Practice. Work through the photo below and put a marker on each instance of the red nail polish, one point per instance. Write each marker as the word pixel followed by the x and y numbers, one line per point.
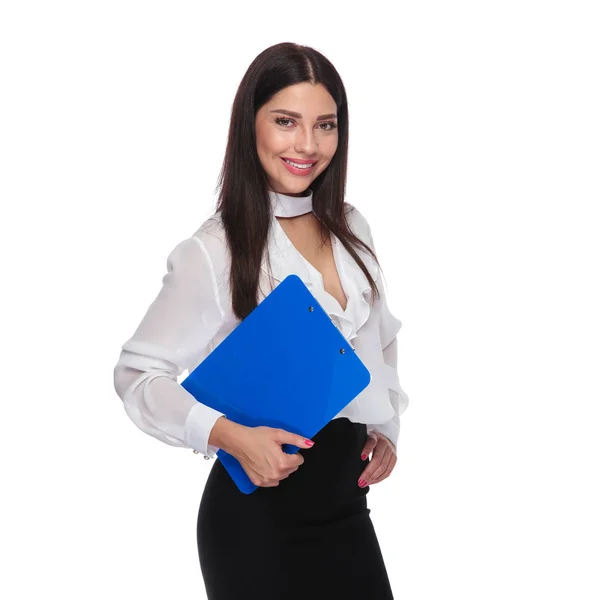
pixel 364 456
pixel 309 442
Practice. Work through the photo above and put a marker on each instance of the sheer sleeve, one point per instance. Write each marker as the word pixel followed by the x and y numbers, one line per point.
pixel 389 326
pixel 177 327
pixel 398 397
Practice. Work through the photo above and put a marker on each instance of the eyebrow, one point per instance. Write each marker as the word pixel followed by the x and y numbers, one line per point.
pixel 299 116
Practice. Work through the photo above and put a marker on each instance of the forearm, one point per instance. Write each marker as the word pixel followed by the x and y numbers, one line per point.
pixel 162 408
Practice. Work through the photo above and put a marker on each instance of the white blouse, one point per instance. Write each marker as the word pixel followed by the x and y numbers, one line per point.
pixel 192 314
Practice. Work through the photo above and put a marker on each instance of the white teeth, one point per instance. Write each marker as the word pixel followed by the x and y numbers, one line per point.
pixel 289 162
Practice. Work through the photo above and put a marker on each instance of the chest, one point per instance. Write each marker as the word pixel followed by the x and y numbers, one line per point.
pixel 315 245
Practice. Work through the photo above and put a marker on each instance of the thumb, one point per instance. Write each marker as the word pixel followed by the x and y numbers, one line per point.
pixel 287 437
pixel 369 445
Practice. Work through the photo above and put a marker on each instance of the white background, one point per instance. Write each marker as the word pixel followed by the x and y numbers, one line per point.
pixel 474 154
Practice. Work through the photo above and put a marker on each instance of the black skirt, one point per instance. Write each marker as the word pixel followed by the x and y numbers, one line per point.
pixel 310 537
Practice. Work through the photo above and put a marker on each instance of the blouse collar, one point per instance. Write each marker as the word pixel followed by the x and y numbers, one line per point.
pixel 290 206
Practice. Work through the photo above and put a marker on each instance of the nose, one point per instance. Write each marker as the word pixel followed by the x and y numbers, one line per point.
pixel 305 141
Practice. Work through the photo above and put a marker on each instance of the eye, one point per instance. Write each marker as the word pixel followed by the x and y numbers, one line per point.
pixel 329 125
pixel 279 120
pixel 333 125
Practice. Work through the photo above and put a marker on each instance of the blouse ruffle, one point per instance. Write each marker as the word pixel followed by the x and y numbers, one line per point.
pixel 286 259
pixel 379 398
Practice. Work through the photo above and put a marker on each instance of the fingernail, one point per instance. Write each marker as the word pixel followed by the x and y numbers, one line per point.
pixel 362 483
pixel 364 456
pixel 309 442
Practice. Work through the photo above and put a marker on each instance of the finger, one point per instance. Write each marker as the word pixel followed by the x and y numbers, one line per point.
pixel 291 461
pixel 386 453
pixel 388 472
pixel 388 442
pixel 287 465
pixel 296 459
pixel 270 484
pixel 369 445
pixel 367 474
pixel 289 472
pixel 386 467
pixel 290 467
pixel 259 481
pixel 286 437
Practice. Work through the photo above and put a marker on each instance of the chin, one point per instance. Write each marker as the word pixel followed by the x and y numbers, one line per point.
pixel 292 187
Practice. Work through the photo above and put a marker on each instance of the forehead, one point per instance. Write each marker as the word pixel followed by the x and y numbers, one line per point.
pixel 304 98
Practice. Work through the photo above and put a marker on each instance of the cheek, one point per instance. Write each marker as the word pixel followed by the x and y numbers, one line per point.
pixel 328 149
pixel 331 146
pixel 279 142
pixel 272 142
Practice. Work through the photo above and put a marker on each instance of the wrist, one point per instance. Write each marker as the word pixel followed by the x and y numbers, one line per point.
pixel 225 434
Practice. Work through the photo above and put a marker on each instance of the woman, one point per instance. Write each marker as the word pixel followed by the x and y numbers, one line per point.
pixel 306 530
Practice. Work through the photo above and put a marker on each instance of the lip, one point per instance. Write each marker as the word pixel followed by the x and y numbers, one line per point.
pixel 301 172
pixel 300 161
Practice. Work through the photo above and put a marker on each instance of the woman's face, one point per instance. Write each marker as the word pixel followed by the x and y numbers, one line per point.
pixel 299 123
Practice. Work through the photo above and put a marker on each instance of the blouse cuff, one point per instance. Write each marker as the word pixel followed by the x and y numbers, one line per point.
pixel 198 426
pixel 391 430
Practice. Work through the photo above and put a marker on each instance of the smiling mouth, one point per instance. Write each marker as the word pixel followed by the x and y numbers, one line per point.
pixel 300 164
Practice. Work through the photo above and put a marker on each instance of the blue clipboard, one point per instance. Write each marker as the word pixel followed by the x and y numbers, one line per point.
pixel 285 365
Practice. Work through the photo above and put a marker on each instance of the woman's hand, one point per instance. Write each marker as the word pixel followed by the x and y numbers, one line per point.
pixel 382 462
pixel 259 451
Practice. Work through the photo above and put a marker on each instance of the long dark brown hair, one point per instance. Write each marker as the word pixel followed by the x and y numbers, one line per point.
pixel 243 198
